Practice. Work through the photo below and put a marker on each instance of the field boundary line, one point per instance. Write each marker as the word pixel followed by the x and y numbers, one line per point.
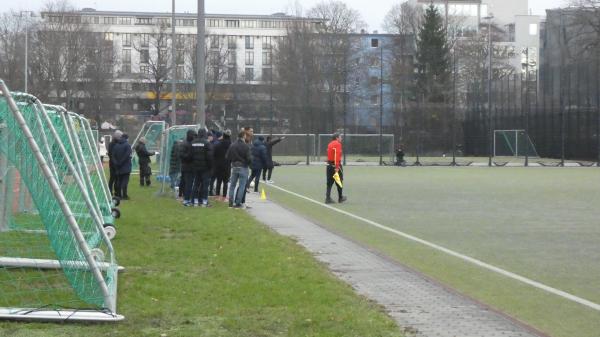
pixel 463 257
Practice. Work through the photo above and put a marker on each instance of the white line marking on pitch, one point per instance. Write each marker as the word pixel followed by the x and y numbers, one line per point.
pixel 476 262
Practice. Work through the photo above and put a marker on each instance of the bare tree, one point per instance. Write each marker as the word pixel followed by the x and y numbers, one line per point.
pixel 99 74
pixel 404 18
pixel 298 76
pixel 12 45
pixel 58 60
pixel 333 44
pixel 155 60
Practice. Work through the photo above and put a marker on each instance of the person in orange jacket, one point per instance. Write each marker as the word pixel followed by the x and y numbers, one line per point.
pixel 334 165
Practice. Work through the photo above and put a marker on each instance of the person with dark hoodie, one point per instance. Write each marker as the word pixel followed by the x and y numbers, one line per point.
pixel 144 161
pixel 213 139
pixel 222 170
pixel 239 157
pixel 202 163
pixel 121 154
pixel 113 183
pixel 187 168
pixel 268 170
pixel 175 168
pixel 259 161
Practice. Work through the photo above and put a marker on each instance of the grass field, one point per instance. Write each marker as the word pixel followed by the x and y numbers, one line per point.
pixel 217 272
pixel 541 223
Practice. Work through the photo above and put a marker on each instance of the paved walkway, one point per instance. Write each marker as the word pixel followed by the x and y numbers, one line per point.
pixel 421 307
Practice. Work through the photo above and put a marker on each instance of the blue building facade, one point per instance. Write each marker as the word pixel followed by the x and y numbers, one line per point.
pixel 381 70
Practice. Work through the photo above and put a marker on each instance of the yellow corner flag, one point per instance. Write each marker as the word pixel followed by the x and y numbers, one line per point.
pixel 338 181
pixel 263 195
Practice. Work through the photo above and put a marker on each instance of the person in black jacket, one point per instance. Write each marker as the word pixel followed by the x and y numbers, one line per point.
pixel 222 169
pixel 202 163
pixel 187 168
pixel 268 170
pixel 175 168
pixel 239 157
pixel 121 154
pixel 259 161
pixel 144 161
pixel 113 183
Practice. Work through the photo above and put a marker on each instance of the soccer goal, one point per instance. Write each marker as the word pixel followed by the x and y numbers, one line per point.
pixel 513 143
pixel 169 137
pixel 57 262
pixel 361 147
pixel 152 131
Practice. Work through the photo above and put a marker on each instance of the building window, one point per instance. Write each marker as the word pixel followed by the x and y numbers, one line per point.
pixel 144 69
pixel 249 58
pixel 124 21
pixel 143 21
pixel 248 24
pixel 214 41
pixel 533 29
pixel 180 56
pixel 232 42
pixel 180 71
pixel 110 20
pixel 374 43
pixel 144 56
pixel 249 74
pixel 126 39
pixel 179 40
pixel 267 42
pixel 375 99
pixel 267 58
pixel 214 58
pixel 109 36
pixel 231 73
pixel 126 68
pixel 267 74
pixel 232 58
pixel 144 40
pixel 232 23
pixel 249 42
pixel 213 23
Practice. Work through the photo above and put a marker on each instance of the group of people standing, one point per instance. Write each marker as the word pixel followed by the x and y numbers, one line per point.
pixel 209 163
pixel 119 154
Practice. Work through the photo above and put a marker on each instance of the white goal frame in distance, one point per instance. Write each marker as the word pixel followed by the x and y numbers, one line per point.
pixel 516 132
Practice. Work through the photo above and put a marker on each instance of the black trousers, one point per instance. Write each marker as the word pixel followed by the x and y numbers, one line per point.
pixel 113 181
pixel 266 173
pixel 222 175
pixel 122 184
pixel 256 177
pixel 331 182
pixel 188 180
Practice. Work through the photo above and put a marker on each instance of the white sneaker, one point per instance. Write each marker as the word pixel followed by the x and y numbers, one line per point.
pixel 270 182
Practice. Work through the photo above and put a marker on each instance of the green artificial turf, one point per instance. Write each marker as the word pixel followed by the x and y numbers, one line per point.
pixel 217 272
pixel 541 223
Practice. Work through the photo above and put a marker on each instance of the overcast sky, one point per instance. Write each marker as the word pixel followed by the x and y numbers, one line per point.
pixel 372 11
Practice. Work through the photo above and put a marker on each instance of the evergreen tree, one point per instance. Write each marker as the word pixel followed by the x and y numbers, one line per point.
pixel 433 56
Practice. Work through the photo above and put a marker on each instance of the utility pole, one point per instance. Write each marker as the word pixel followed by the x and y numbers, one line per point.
pixel 490 53
pixel 200 64
pixel 26 73
pixel 527 111
pixel 381 103
pixel 454 109
pixel 173 71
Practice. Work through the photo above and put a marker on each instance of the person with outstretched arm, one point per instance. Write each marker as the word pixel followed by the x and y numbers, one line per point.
pixel 268 170
pixel 335 172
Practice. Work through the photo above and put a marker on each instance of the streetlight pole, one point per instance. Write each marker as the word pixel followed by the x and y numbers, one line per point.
pixel 26 50
pixel 200 63
pixel 381 104
pixel 490 129
pixel 173 71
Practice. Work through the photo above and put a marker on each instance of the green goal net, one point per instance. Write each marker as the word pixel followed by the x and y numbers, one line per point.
pixel 56 262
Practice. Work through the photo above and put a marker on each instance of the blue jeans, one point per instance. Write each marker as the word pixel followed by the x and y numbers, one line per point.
pixel 239 178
